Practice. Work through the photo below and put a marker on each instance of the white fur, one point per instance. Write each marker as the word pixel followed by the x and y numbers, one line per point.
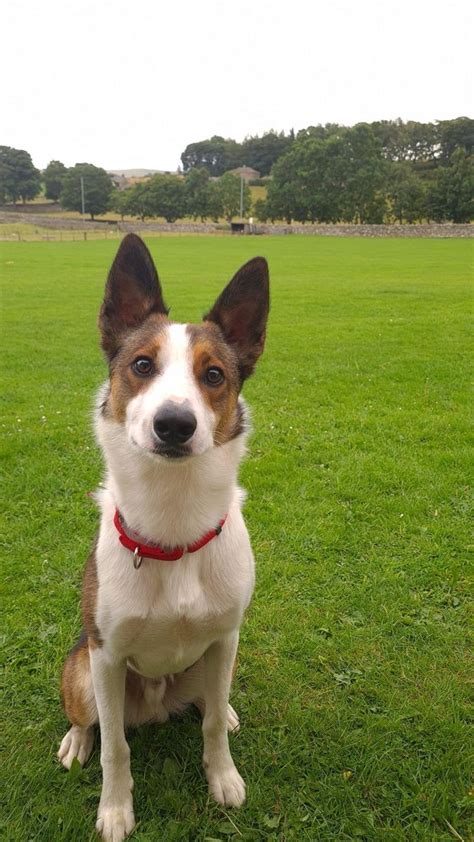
pixel 166 616
pixel 77 743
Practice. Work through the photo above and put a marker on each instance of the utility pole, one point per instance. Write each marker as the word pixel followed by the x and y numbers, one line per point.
pixel 83 203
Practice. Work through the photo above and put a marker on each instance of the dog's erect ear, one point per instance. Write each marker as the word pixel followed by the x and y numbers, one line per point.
pixel 132 293
pixel 241 312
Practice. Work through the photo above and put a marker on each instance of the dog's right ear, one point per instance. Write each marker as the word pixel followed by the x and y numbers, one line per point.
pixel 132 293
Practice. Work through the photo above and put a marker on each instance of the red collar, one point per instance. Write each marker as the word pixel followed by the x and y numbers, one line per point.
pixel 141 551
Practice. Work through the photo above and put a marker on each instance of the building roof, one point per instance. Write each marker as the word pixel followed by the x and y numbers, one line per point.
pixel 246 172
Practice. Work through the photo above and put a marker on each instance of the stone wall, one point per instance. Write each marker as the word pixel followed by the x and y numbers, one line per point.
pixel 66 223
pixel 436 230
pixel 174 227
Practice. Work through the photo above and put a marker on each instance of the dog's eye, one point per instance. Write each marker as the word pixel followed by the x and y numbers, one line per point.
pixel 143 366
pixel 214 376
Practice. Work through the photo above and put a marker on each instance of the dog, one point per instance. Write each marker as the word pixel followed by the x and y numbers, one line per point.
pixel 171 571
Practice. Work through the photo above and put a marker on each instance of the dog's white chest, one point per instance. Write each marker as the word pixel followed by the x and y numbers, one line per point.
pixel 178 628
pixel 163 618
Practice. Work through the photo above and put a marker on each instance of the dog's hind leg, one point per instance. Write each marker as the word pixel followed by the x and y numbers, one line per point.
pixel 79 704
pixel 144 699
pixel 187 688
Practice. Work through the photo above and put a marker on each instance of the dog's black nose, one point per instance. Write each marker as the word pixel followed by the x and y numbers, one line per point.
pixel 174 423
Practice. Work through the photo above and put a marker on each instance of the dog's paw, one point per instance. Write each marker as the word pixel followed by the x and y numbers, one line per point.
pixel 78 743
pixel 115 822
pixel 233 723
pixel 228 788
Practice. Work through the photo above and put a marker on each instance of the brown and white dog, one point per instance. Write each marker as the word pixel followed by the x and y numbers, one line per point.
pixel 172 570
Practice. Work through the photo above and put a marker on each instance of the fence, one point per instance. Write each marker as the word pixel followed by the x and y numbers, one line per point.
pixel 56 236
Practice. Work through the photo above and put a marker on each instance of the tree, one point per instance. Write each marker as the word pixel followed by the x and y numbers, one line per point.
pixel 162 195
pixel 407 193
pixel 297 189
pixel 215 206
pixel 456 134
pixel 19 178
pixel 120 201
pixel 198 193
pixel 261 210
pixel 229 188
pixel 216 155
pixel 451 196
pixel 364 173
pixel 320 132
pixel 262 152
pixel 136 201
pixel 339 177
pixel 392 135
pixel 165 196
pixel 97 189
pixel 411 141
pixel 284 197
pixel 53 177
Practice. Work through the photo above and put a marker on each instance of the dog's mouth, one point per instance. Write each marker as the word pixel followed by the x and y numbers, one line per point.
pixel 171 452
pixel 164 450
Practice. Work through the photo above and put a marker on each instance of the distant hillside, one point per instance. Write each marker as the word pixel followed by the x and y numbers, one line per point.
pixel 138 173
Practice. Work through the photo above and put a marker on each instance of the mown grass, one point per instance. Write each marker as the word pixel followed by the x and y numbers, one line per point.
pixel 353 678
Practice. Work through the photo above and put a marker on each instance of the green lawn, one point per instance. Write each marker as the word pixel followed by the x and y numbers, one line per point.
pixel 353 677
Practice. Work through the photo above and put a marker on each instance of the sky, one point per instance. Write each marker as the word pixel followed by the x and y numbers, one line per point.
pixel 130 84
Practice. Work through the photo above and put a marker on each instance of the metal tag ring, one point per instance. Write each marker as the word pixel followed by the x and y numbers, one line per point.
pixel 137 558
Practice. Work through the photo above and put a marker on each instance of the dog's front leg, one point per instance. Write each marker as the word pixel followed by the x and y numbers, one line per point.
pixel 225 783
pixel 115 817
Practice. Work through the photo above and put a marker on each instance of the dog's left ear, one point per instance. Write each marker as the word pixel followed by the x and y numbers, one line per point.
pixel 241 312
pixel 132 293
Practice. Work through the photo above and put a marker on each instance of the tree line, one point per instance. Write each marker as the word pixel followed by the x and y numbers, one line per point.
pixel 21 180
pixel 218 155
pixel 368 173
pixel 195 195
pixel 170 196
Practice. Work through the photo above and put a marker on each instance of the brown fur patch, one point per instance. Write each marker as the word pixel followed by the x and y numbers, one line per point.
pixel 89 599
pixel 77 693
pixel 145 341
pixel 210 349
pixel 142 695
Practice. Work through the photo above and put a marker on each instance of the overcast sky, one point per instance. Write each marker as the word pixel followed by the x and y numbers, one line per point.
pixel 130 84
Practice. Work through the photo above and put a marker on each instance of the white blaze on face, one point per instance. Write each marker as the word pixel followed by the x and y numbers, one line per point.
pixel 174 382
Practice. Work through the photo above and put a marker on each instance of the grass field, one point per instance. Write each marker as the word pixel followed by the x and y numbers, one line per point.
pixel 353 679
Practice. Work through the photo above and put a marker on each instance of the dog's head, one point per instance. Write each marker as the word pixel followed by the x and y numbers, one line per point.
pixel 175 387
